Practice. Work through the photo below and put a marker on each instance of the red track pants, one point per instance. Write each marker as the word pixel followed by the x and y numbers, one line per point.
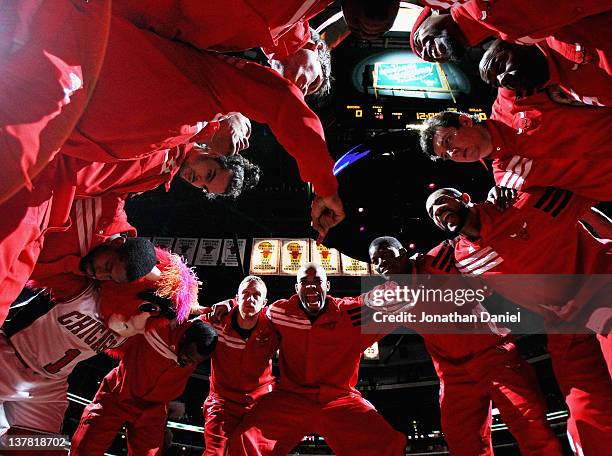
pixel 501 375
pixel 104 417
pixel 350 425
pixel 584 379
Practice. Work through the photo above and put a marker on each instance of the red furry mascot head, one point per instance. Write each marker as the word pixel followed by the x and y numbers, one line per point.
pixel 128 307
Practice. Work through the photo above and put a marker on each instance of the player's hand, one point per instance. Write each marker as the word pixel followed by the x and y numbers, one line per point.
pixel 326 212
pixel 502 197
pixel 219 310
pixel 232 137
pixel 127 327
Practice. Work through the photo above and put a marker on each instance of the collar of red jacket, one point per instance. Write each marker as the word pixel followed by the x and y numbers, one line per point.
pixel 500 132
pixel 227 319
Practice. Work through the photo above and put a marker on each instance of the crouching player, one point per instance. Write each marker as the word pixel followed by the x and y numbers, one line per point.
pixel 241 365
pixel 474 369
pixel 153 370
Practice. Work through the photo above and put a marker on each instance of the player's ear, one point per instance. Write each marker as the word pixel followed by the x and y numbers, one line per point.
pixel 466 198
pixel 311 45
pixel 117 241
pixel 465 120
pixel 327 286
pixel 403 251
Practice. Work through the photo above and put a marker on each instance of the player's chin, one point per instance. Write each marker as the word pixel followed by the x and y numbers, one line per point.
pixel 449 227
pixel 314 307
pixel 440 224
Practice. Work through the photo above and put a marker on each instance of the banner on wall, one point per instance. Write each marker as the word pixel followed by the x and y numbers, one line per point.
pixel 208 253
pixel 268 256
pixel 186 247
pixel 294 254
pixel 328 258
pixel 229 257
pixel 265 256
pixel 163 242
pixel 372 352
pixel 351 266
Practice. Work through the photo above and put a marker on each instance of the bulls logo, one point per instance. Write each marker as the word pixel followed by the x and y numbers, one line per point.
pixel 265 248
pixel 295 249
pixel 324 252
pixel 525 121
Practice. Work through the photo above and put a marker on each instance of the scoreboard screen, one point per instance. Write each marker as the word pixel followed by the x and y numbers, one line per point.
pixel 425 76
pixel 386 116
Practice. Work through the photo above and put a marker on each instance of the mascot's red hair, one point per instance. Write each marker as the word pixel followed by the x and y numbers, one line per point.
pixel 128 307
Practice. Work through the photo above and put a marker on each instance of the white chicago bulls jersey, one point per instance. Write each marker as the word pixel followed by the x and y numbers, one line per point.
pixel 69 332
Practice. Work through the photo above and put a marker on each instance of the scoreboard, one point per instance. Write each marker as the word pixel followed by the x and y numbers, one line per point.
pixel 394 115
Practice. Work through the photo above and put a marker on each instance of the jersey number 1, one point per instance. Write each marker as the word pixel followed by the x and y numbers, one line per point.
pixel 54 368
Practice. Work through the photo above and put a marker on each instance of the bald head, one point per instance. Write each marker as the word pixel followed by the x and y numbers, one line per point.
pixel 389 241
pixel 437 38
pixel 320 271
pixel 388 256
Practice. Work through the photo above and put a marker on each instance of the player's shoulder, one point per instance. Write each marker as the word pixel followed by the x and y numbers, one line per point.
pixel 264 316
pixel 84 299
pixel 540 197
pixel 345 304
pixel 553 204
pixel 353 312
pixel 440 259
pixel 350 307
pixel 265 319
pixel 442 247
pixel 283 305
pixel 287 313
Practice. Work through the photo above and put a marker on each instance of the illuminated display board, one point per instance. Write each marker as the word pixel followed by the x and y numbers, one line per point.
pixel 398 116
pixel 424 76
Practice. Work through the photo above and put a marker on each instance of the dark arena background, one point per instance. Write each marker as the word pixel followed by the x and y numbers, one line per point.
pixel 371 128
